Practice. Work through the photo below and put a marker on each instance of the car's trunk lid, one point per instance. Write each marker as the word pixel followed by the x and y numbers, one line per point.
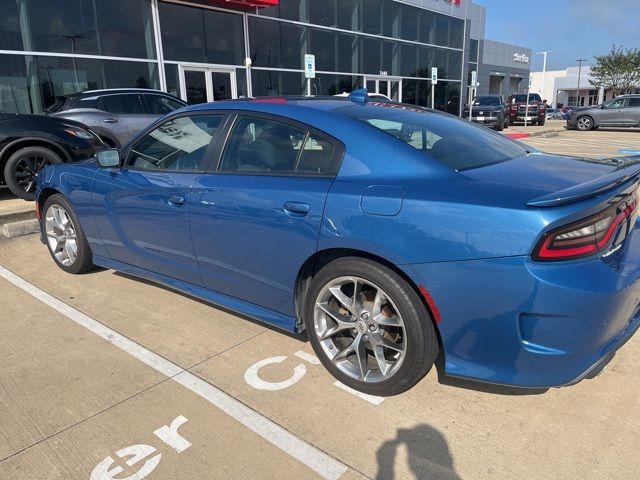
pixel 552 180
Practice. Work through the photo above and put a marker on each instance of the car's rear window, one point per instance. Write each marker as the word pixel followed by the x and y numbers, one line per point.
pixel 457 143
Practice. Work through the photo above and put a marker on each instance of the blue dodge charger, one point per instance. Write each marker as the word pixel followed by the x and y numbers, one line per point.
pixel 389 233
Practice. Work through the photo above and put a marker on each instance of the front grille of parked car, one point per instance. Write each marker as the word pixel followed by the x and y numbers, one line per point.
pixel 532 109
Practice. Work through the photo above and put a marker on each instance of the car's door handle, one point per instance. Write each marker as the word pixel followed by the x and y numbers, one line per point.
pixel 296 208
pixel 175 200
pixel 110 120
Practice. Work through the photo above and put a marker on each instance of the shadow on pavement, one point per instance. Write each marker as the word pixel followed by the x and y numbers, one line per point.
pixel 298 336
pixel 427 454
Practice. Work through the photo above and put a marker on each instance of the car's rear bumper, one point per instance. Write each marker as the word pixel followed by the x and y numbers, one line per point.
pixel 513 321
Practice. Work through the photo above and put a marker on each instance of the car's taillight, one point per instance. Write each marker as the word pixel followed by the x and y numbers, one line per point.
pixel 583 238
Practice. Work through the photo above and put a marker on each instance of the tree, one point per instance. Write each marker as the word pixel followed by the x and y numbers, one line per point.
pixel 619 70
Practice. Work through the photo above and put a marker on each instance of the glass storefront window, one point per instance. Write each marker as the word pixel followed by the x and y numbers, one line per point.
pixel 10 36
pixel 323 45
pixel 417 92
pixel 322 13
pixel 171 75
pixel 348 12
pixel 270 83
pixel 473 50
pixel 29 84
pixel 65 26
pixel 125 28
pixel 348 53
pixel 201 36
pixel 408 23
pixel 377 17
pixel 325 84
pixel 14 85
pixel 264 39
pixel 122 28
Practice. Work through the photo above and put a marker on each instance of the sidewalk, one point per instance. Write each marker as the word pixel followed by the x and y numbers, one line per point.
pixel 550 127
pixel 13 208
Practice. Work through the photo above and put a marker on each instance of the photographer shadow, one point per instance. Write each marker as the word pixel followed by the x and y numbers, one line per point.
pixel 427 451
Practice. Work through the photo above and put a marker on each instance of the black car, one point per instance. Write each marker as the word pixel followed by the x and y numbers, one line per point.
pixel 30 142
pixel 489 110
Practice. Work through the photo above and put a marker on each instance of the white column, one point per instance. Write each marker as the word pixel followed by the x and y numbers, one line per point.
pixel 601 95
pixel 155 14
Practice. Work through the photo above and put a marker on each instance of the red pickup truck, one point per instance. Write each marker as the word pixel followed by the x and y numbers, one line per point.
pixel 535 114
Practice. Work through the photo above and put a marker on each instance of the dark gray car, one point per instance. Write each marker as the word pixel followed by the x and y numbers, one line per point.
pixel 116 115
pixel 623 111
pixel 489 110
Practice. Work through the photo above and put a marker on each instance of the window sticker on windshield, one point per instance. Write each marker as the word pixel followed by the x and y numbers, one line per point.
pixel 182 134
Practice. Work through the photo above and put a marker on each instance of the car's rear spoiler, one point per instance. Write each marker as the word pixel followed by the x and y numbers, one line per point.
pixel 628 171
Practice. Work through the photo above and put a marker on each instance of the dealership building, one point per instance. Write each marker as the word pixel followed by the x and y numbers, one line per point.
pixel 208 50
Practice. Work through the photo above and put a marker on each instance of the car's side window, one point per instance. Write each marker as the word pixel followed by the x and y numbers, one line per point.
pixel 176 145
pixel 617 103
pixel 128 103
pixel 316 155
pixel 161 105
pixel 634 102
pixel 257 145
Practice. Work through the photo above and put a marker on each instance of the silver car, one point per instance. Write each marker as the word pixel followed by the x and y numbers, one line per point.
pixel 623 111
pixel 116 115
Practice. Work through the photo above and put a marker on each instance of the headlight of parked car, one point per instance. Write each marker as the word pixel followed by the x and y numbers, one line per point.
pixel 80 133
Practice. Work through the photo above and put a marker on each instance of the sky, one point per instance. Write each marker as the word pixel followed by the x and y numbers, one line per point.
pixel 573 28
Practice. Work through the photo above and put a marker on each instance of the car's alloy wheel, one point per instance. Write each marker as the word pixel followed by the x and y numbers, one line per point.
pixel 369 326
pixel 584 123
pixel 360 329
pixel 64 235
pixel 61 235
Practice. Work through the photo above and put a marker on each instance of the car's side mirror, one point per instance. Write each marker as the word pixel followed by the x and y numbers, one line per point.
pixel 108 158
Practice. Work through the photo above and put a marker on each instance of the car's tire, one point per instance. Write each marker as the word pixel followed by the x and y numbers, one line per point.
pixel 23 167
pixel 64 236
pixel 542 121
pixel 584 123
pixel 396 354
pixel 500 127
pixel 506 123
pixel 511 122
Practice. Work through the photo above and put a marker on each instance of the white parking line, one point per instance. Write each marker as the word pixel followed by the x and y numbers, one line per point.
pixel 307 357
pixel 320 462
pixel 365 396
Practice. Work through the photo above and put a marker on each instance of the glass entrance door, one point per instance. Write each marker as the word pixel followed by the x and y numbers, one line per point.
pixel 389 87
pixel 205 84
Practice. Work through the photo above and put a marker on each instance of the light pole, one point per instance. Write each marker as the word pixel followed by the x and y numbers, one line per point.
pixel 544 67
pixel 580 60
pixel 73 39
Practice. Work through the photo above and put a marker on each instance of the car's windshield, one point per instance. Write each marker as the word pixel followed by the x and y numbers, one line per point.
pixel 521 98
pixel 479 101
pixel 460 145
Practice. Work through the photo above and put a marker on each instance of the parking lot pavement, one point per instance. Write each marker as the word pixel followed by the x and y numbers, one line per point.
pixel 13 208
pixel 601 143
pixel 71 399
pixel 550 125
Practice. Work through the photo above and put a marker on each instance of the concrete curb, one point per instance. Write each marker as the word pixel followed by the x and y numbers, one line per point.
pixel 18 229
pixel 540 133
pixel 16 216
